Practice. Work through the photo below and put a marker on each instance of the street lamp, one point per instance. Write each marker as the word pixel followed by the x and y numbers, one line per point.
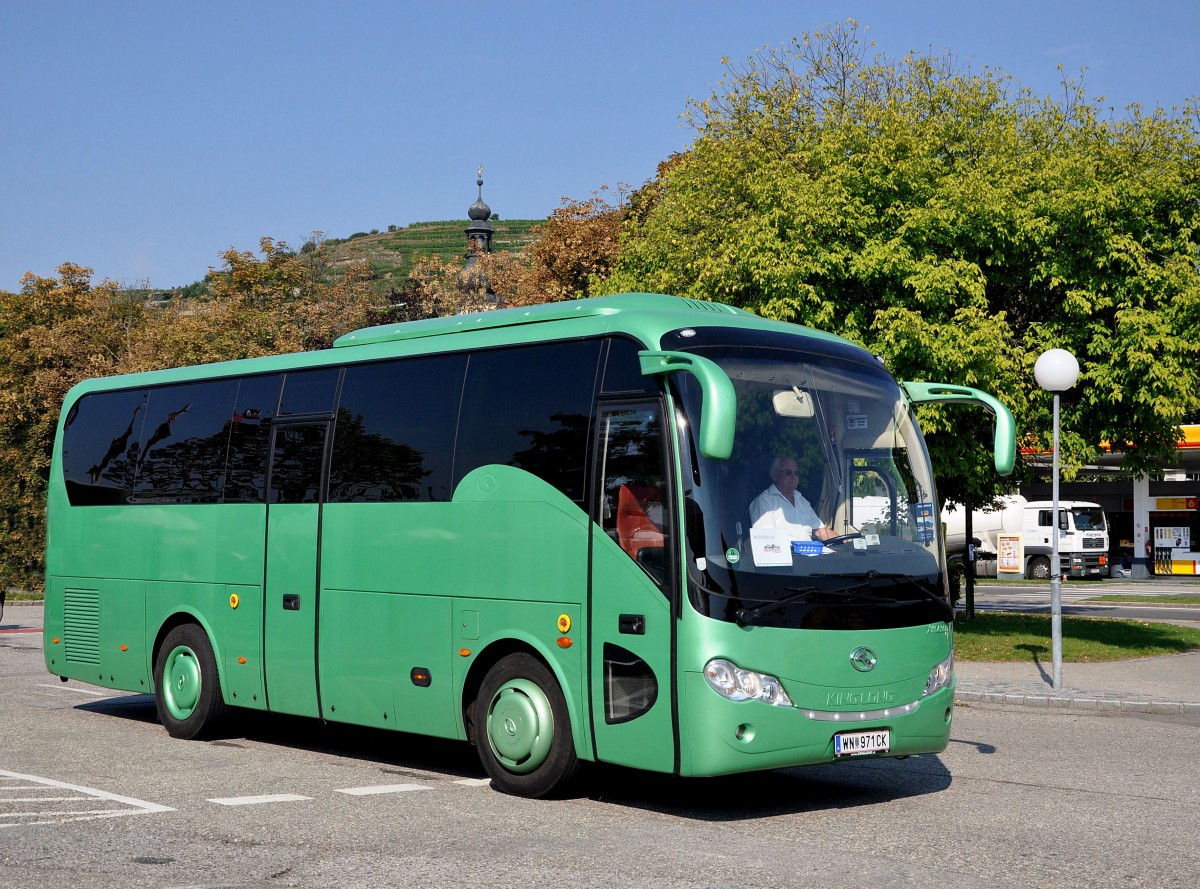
pixel 1056 371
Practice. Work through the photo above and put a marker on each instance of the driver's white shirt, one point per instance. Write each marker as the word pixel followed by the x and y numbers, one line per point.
pixel 771 509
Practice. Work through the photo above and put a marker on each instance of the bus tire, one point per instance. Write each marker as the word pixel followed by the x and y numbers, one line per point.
pixel 1039 568
pixel 187 689
pixel 523 730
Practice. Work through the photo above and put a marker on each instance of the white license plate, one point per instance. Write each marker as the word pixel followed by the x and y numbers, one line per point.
pixel 861 743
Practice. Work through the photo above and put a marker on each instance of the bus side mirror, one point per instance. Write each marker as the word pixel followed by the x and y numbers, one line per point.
pixel 1005 444
pixel 718 400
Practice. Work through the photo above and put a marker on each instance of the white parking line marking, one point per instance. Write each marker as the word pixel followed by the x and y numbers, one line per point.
pixel 259 800
pixel 474 782
pixel 34 783
pixel 35 799
pixel 382 788
pixel 80 691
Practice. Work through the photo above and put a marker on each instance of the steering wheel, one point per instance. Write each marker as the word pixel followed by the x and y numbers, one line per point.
pixel 834 541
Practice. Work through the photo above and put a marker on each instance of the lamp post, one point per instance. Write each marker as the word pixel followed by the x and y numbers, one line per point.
pixel 1056 371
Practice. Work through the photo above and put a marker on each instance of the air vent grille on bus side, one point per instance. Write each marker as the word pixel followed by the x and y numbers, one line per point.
pixel 81 626
pixel 707 306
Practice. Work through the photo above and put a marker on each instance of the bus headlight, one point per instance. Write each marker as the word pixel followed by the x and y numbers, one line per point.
pixel 940 676
pixel 731 681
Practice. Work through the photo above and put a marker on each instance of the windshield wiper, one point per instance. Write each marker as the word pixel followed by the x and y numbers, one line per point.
pixel 747 616
pixel 852 593
pixel 900 578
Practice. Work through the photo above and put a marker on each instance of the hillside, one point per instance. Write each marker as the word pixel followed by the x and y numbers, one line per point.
pixel 392 253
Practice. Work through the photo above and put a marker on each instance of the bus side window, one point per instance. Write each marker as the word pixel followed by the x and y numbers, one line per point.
pixel 394 439
pixel 184 442
pixel 633 508
pixel 530 407
pixel 296 463
pixel 249 437
pixel 100 446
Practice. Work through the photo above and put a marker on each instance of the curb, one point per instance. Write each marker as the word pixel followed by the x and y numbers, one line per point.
pixel 1083 701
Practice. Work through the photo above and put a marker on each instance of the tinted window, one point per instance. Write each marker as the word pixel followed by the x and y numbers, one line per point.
pixel 310 391
pixel 530 408
pixel 296 463
pixel 249 438
pixel 100 446
pixel 623 370
pixel 633 506
pixel 395 430
pixel 184 440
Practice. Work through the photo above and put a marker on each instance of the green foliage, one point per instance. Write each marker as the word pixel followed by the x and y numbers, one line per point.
pixel 996 636
pixel 953 223
pixel 58 331
pixel 52 333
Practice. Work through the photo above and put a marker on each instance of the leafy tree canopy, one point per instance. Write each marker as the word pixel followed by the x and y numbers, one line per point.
pixel 954 223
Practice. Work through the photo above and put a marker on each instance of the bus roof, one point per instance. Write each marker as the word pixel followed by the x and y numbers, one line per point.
pixel 643 315
pixel 558 311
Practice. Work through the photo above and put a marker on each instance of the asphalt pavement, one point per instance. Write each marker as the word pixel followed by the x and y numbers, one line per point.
pixel 1168 684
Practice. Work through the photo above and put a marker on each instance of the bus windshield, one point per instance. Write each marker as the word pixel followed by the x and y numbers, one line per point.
pixel 823 517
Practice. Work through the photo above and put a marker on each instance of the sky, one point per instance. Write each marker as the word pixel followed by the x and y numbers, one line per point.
pixel 142 139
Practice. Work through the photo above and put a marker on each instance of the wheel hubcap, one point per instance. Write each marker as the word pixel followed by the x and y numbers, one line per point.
pixel 520 726
pixel 181 682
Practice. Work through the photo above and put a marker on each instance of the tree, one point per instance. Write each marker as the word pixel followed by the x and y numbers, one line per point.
pixel 258 306
pixel 53 333
pixel 952 222
pixel 58 331
pixel 577 245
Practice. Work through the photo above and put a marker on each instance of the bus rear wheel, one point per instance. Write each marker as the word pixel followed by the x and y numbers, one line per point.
pixel 523 729
pixel 187 689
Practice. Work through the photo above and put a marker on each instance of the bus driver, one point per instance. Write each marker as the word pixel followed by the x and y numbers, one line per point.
pixel 782 506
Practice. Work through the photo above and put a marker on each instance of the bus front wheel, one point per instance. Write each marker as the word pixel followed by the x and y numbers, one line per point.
pixel 187 690
pixel 523 729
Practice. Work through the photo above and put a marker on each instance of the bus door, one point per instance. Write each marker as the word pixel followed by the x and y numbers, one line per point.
pixel 290 599
pixel 632 576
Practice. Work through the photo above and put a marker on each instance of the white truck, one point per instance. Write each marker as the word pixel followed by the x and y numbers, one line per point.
pixel 1082 537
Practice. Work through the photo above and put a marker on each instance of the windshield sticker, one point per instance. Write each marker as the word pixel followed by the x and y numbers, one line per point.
pixel 771 547
pixel 856 421
pixel 924 516
pixel 732 556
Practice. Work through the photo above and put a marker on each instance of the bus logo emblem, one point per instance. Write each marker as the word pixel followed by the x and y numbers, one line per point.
pixel 863 659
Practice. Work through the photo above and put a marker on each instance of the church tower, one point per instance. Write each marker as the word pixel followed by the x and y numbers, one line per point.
pixel 479 232
pixel 473 279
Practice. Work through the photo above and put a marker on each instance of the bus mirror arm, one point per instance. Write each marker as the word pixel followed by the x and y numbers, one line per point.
pixel 718 400
pixel 1005 445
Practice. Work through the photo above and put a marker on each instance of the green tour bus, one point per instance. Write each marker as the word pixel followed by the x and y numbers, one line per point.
pixel 528 528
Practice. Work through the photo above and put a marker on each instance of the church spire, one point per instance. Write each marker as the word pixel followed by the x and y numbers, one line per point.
pixel 479 232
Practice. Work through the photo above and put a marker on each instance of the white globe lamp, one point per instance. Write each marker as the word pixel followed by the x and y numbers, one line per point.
pixel 1056 370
